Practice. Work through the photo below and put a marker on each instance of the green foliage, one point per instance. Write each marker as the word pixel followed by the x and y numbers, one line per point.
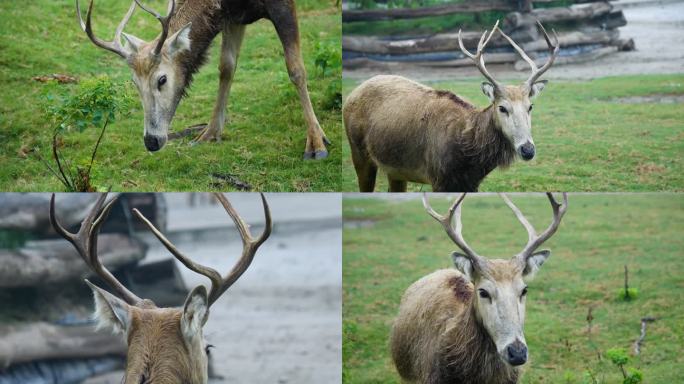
pixel 634 376
pixel 328 58
pixel 586 139
pixel 599 234
pixel 94 101
pixel 618 356
pixel 631 294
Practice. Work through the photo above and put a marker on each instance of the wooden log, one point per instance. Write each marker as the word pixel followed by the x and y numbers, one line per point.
pixel 29 211
pixel 492 58
pixel 574 38
pixel 553 15
pixel 442 42
pixel 522 65
pixel 53 261
pixel 411 13
pixel 612 20
pixel 42 341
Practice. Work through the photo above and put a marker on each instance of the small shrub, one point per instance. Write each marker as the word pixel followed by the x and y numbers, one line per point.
pixel 96 103
pixel 328 59
pixel 619 357
pixel 628 295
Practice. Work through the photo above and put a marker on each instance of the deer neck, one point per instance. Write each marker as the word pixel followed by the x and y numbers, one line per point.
pixel 489 148
pixel 471 356
pixel 206 19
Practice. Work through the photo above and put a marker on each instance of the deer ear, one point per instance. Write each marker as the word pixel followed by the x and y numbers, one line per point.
pixel 180 41
pixel 488 89
pixel 110 311
pixel 195 312
pixel 463 265
pixel 535 262
pixel 133 44
pixel 537 87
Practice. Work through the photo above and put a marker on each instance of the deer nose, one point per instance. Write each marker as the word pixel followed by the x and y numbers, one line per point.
pixel 154 143
pixel 516 353
pixel 527 151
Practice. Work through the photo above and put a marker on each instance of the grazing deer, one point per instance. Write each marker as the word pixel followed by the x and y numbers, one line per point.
pixel 163 68
pixel 165 345
pixel 415 133
pixel 465 325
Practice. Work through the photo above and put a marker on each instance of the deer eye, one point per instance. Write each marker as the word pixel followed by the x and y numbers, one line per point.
pixel 161 81
pixel 502 109
pixel 530 109
pixel 483 294
pixel 524 292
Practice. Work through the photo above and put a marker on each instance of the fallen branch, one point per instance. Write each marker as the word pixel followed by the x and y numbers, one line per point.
pixel 642 336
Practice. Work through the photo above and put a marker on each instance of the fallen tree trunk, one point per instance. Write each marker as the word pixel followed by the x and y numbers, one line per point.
pixel 412 13
pixel 29 211
pixel 521 65
pixel 53 261
pixel 574 38
pixel 554 15
pixel 43 341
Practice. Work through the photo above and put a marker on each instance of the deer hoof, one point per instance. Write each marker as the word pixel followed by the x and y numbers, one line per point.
pixel 321 155
pixel 309 155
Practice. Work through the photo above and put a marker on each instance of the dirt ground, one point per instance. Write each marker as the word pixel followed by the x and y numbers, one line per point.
pixel 657 28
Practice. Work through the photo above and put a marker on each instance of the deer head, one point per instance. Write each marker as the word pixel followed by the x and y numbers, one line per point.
pixel 512 104
pixel 165 345
pixel 500 284
pixel 156 67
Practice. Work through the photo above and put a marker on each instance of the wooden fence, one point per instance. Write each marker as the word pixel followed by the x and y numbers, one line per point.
pixel 587 31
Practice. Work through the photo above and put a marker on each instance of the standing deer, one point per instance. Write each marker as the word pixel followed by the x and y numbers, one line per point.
pixel 165 345
pixel 416 133
pixel 163 68
pixel 446 334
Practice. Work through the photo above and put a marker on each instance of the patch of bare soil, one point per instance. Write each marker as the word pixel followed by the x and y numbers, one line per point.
pixel 650 99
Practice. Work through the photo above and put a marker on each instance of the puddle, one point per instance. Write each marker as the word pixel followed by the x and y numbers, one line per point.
pixel 651 99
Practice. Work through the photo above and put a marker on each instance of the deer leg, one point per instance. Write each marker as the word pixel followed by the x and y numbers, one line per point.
pixel 230 49
pixel 366 170
pixel 284 19
pixel 397 185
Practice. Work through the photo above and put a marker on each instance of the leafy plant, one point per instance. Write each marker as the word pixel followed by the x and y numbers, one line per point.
pixel 96 103
pixel 619 357
pixel 328 58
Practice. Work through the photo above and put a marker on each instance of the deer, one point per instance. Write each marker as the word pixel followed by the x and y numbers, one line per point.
pixel 466 324
pixel 165 345
pixel 414 133
pixel 163 69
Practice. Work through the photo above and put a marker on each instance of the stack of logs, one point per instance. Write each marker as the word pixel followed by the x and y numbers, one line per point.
pixel 587 31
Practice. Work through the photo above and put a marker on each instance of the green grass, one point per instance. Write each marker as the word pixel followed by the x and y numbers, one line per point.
pixel 586 140
pixel 598 236
pixel 263 141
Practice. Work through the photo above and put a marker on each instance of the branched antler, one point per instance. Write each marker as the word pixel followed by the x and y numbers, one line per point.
pixel 250 244
pixel 454 233
pixel 163 20
pixel 477 57
pixel 533 239
pixel 553 51
pixel 113 45
pixel 85 242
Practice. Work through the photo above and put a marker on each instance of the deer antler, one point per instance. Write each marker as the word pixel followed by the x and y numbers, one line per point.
pixel 114 45
pixel 85 242
pixel 553 50
pixel 163 20
pixel 477 57
pixel 455 233
pixel 250 245
pixel 534 240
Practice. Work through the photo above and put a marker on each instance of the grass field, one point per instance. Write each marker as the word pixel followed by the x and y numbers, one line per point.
pixel 263 141
pixel 389 244
pixel 587 138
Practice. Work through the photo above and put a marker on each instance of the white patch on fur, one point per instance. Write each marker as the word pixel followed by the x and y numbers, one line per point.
pixel 195 313
pixel 463 265
pixel 537 88
pixel 110 311
pixel 535 262
pixel 179 41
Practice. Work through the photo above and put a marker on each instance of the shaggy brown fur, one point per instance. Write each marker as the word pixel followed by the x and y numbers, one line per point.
pixel 415 133
pixel 158 352
pixel 438 339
